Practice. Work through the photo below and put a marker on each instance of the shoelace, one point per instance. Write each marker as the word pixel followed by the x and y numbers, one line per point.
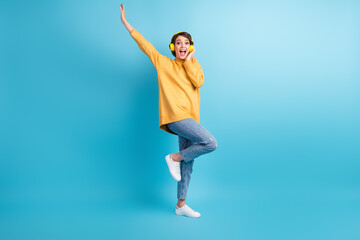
pixel 188 209
pixel 191 210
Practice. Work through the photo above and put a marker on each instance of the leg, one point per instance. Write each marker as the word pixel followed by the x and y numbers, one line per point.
pixel 186 170
pixel 204 141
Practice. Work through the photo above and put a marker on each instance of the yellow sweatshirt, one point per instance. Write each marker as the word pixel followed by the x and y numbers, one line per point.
pixel 179 84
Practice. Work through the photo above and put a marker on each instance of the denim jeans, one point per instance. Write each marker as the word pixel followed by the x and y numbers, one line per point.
pixel 194 141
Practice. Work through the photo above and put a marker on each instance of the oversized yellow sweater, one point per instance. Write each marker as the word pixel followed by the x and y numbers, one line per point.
pixel 179 84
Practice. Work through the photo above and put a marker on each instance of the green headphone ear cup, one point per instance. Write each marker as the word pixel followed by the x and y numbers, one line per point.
pixel 172 47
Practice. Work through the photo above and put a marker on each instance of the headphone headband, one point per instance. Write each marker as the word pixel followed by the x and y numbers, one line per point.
pixel 180 32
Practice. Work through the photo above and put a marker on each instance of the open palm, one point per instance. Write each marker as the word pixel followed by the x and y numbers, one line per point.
pixel 122 10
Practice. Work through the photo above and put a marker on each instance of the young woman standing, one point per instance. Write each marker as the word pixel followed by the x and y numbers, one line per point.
pixel 179 82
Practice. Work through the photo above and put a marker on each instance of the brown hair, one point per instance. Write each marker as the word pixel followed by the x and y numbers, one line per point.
pixel 184 34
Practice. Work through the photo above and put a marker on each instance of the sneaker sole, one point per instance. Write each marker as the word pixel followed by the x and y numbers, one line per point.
pixel 180 214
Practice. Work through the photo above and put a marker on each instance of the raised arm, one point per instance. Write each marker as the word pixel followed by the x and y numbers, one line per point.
pixel 143 44
pixel 123 19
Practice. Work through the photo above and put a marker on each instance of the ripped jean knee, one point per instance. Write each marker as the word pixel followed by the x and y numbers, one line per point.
pixel 212 144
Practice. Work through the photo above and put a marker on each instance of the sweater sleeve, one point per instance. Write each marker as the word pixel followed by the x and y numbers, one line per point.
pixel 146 47
pixel 194 71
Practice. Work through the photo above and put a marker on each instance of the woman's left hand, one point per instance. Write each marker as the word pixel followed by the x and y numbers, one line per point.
pixel 190 55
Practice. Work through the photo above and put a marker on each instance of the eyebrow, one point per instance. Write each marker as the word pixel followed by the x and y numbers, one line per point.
pixel 185 40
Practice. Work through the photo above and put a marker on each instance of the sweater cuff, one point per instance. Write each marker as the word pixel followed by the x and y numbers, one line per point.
pixel 133 32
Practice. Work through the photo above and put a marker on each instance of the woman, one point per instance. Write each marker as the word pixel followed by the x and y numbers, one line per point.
pixel 179 107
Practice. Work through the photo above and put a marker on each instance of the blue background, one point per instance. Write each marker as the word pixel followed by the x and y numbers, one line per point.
pixel 82 156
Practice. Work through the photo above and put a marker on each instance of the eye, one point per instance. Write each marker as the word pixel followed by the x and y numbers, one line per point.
pixel 187 43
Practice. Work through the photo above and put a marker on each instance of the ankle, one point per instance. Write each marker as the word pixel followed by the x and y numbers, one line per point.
pixel 180 204
pixel 176 157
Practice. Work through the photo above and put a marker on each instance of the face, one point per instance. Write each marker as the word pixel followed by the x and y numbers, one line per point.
pixel 182 45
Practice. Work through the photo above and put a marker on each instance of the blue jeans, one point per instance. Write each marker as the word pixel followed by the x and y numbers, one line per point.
pixel 194 140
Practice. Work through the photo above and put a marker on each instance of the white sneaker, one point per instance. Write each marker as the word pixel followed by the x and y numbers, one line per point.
pixel 187 211
pixel 174 167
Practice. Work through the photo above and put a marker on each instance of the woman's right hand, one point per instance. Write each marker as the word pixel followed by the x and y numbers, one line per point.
pixel 123 19
pixel 122 10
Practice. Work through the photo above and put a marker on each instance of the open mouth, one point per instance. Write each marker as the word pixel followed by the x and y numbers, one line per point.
pixel 182 53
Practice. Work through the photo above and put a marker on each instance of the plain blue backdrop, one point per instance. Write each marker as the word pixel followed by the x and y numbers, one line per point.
pixel 81 152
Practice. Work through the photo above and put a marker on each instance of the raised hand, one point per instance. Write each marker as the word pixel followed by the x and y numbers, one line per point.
pixel 122 10
pixel 190 55
pixel 123 18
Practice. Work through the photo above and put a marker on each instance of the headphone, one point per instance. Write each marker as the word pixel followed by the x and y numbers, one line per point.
pixel 172 46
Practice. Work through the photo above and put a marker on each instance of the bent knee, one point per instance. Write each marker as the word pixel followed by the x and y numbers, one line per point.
pixel 212 145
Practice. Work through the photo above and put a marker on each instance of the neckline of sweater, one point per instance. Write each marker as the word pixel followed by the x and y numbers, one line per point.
pixel 179 60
